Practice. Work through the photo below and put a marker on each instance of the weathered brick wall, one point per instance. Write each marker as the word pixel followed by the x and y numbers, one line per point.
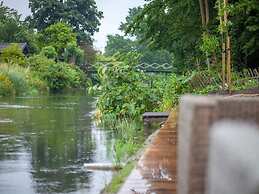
pixel 197 115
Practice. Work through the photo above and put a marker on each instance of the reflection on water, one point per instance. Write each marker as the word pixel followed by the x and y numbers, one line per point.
pixel 44 143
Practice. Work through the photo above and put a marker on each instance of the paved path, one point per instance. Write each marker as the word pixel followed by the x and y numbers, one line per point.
pixel 155 172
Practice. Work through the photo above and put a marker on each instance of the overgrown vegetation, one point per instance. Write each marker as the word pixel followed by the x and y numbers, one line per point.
pixel 125 93
pixel 193 40
pixel 17 80
pixel 185 34
pixel 57 50
pixel 13 55
pixel 191 29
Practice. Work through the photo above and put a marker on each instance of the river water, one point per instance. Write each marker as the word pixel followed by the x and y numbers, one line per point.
pixel 44 142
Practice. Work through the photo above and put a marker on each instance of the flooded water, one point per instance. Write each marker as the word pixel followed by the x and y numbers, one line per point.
pixel 44 143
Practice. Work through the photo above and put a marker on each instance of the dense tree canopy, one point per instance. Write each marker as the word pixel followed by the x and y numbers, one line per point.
pixel 171 25
pixel 12 29
pixel 189 29
pixel 117 43
pixel 9 23
pixel 131 17
pixel 245 32
pixel 82 15
pixel 133 43
pixel 121 44
pixel 58 35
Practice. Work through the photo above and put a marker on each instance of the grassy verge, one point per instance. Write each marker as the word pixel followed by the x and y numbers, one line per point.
pixel 128 147
pixel 129 139
pixel 119 179
pixel 17 80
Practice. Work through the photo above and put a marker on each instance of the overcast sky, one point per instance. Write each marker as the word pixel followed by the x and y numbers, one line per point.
pixel 115 11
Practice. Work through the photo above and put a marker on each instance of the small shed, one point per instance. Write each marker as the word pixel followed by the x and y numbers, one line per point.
pixel 24 46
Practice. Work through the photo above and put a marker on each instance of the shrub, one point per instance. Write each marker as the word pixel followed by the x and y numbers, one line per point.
pixel 61 75
pixel 126 91
pixel 37 84
pixel 19 81
pixel 23 80
pixel 174 87
pixel 76 76
pixel 18 76
pixel 56 76
pixel 13 55
pixel 73 54
pixel 39 63
pixel 6 86
pixel 123 91
pixel 49 52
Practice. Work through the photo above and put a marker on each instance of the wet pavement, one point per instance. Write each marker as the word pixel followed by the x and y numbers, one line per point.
pixel 155 172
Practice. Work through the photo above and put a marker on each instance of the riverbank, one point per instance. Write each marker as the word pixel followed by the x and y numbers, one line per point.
pixel 155 172
pixel 121 176
pixel 39 76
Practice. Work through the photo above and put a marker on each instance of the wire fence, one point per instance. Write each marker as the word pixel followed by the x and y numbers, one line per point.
pixel 203 79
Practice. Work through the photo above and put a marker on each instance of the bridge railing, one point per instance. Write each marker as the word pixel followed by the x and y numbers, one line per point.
pixel 144 67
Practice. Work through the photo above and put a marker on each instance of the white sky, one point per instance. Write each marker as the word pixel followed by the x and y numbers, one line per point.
pixel 115 12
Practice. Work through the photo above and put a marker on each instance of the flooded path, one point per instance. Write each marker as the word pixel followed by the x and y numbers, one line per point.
pixel 156 170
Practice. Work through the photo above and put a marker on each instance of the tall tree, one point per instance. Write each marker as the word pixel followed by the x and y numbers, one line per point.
pixel 82 15
pixel 59 36
pixel 117 43
pixel 12 29
pixel 131 17
pixel 121 44
pixel 173 25
pixel 177 26
pixel 133 42
pixel 204 10
pixel 245 33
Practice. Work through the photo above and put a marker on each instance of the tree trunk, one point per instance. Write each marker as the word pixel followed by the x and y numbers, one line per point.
pixel 228 51
pixel 204 10
pixel 223 49
pixel 207 15
pixel 223 63
pixel 203 17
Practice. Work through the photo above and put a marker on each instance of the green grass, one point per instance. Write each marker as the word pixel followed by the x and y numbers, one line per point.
pixel 20 80
pixel 129 139
pixel 119 179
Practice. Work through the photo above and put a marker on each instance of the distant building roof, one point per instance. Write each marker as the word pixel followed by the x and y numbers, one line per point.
pixel 23 46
